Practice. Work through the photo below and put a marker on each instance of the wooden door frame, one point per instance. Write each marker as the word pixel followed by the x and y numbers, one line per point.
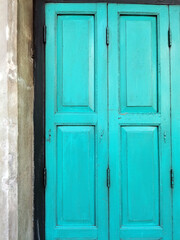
pixel 39 119
pixel 39 101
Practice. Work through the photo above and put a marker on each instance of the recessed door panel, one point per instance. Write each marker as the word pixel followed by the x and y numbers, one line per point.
pixel 140 176
pixel 75 63
pixel 75 176
pixel 138 63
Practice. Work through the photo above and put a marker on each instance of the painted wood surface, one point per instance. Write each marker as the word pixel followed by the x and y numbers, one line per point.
pixel 76 122
pixel 138 68
pixel 175 114
pixel 122 114
pixel 139 122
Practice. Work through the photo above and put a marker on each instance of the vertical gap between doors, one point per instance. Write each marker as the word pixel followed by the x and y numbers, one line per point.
pixel 108 124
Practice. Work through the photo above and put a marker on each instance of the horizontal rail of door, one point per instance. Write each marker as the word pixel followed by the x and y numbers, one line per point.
pixel 154 2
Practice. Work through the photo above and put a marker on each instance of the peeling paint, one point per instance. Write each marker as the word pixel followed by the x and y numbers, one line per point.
pixel 11 67
pixel 24 84
pixel 1 77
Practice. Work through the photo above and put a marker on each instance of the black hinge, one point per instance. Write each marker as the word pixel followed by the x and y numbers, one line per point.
pixel 169 38
pixel 45 177
pixel 107 35
pixel 172 178
pixel 44 34
pixel 108 177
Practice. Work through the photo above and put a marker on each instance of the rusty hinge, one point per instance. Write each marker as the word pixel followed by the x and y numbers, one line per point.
pixel 108 177
pixel 107 36
pixel 44 33
pixel 169 38
pixel 172 178
pixel 45 177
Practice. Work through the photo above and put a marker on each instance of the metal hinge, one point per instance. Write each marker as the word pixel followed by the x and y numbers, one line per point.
pixel 45 177
pixel 108 177
pixel 107 35
pixel 172 178
pixel 44 33
pixel 169 38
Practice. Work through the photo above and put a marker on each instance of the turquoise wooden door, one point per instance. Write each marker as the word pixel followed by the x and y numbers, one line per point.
pixel 108 107
pixel 139 123
pixel 76 122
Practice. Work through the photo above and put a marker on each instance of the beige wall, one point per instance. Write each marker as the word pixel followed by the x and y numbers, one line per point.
pixel 16 120
pixel 25 119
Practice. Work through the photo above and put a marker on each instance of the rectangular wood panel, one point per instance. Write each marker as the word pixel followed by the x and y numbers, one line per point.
pixel 75 176
pixel 140 176
pixel 138 63
pixel 75 61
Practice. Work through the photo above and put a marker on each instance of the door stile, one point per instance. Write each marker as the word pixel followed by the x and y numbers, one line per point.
pixel 171 139
pixel 174 12
pixel 114 156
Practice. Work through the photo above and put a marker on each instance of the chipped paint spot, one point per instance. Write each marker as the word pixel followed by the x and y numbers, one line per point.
pixel 7 33
pixel 1 77
pixel 11 67
pixel 24 84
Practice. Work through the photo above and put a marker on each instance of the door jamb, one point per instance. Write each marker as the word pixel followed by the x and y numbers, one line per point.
pixel 39 119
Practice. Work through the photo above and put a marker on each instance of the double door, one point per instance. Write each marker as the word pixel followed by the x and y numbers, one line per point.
pixel 112 122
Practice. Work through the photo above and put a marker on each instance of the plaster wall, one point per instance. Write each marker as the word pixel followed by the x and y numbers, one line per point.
pixel 25 119
pixel 16 120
